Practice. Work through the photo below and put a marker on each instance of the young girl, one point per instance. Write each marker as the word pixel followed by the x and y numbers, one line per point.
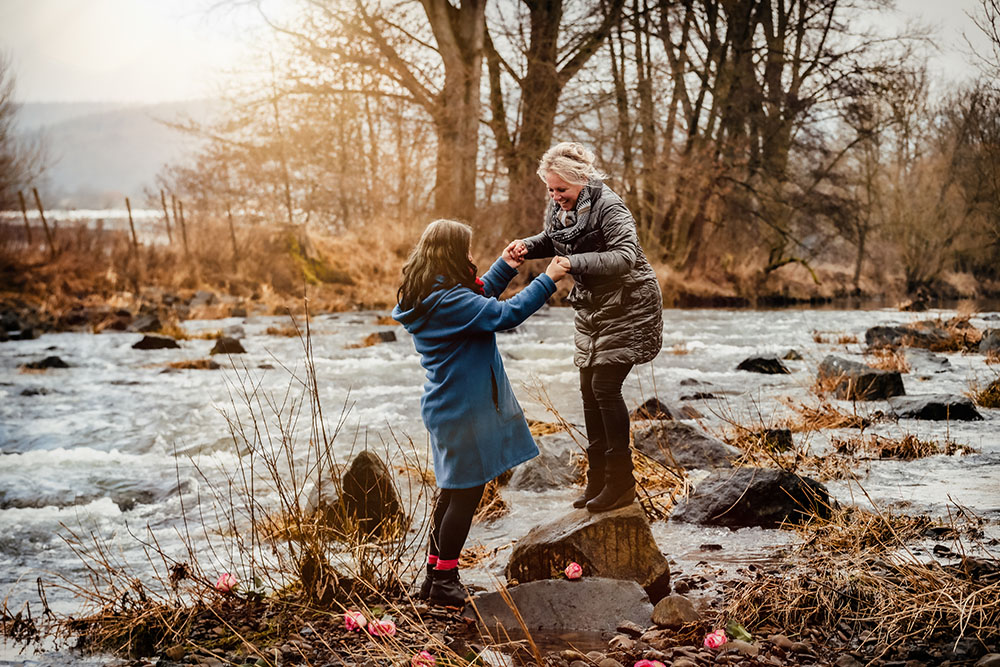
pixel 476 426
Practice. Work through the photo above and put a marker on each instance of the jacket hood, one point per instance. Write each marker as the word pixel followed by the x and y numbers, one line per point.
pixel 414 319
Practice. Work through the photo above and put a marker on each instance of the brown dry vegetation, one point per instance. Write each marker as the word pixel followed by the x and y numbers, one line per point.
pixel 887 359
pixel 854 574
pixel 907 448
pixel 988 396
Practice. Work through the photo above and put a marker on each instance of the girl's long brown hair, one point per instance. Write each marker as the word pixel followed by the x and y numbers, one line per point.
pixel 443 250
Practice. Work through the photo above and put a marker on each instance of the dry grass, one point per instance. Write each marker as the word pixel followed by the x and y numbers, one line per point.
pixel 988 396
pixel 887 359
pixel 678 349
pixel 854 573
pixel 907 448
pixel 492 506
pixel 993 357
pixel 286 331
pixel 386 321
pixel 819 338
pixel 194 365
pixel 659 487
pixel 847 339
pixel 540 428
pixel 822 416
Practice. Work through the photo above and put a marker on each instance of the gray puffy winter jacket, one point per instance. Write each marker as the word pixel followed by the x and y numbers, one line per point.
pixel 619 310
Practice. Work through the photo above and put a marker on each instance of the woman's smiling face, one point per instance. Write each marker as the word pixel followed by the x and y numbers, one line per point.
pixel 563 193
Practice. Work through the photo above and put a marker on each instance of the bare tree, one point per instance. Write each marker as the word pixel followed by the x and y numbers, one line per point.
pixel 21 160
pixel 562 35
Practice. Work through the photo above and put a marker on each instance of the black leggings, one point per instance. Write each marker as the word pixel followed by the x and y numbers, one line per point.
pixel 604 410
pixel 453 512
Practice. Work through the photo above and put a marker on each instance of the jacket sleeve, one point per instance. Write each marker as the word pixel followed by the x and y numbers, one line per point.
pixel 539 245
pixel 467 312
pixel 495 280
pixel 622 246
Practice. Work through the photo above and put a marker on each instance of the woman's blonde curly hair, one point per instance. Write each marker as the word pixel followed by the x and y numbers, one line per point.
pixel 571 162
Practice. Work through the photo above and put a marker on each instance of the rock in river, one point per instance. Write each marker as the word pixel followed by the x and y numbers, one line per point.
pixel 858 382
pixel 226 345
pixel 617 544
pixel 155 343
pixel 766 365
pixel 680 444
pixel 937 407
pixel 743 497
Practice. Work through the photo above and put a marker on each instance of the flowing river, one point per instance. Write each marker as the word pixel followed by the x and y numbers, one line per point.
pixel 116 443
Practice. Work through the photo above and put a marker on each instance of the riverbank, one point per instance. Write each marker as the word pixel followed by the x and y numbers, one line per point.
pixel 98 278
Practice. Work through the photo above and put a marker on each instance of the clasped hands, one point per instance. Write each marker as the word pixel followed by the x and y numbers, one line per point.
pixel 516 251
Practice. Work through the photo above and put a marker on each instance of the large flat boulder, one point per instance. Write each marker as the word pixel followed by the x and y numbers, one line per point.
pixel 590 604
pixel 679 444
pixel 858 382
pixel 743 497
pixel 617 544
pixel 936 407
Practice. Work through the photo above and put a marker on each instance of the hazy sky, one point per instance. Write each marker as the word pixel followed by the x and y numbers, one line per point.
pixel 164 50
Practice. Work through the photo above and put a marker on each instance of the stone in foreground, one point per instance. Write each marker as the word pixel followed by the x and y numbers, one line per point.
pixel 858 382
pixel 591 604
pixel 679 444
pixel 617 544
pixel 745 497
pixel 936 407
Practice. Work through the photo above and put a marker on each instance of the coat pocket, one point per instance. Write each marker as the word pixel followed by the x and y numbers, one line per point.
pixel 503 396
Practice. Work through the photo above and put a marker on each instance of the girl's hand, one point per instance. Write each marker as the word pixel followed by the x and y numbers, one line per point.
pixel 514 253
pixel 557 268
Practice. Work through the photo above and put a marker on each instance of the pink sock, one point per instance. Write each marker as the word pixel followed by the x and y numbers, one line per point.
pixel 443 564
pixel 432 559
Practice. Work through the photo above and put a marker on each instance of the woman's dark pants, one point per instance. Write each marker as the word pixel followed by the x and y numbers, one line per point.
pixel 607 421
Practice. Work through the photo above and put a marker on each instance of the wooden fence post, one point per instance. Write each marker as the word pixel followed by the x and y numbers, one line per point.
pixel 135 240
pixel 166 217
pixel 45 224
pixel 184 234
pixel 24 214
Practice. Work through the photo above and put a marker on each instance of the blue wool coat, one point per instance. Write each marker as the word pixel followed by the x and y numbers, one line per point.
pixel 476 426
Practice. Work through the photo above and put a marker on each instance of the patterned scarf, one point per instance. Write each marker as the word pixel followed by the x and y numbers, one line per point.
pixel 575 222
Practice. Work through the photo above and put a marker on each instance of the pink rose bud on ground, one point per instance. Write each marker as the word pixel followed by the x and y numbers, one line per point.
pixel 573 571
pixel 225 583
pixel 354 620
pixel 382 628
pixel 423 659
pixel 715 639
pixel 649 663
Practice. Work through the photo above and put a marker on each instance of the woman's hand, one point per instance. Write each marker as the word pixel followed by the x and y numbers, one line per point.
pixel 558 268
pixel 514 253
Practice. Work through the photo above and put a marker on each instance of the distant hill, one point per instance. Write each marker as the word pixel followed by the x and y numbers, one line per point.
pixel 103 152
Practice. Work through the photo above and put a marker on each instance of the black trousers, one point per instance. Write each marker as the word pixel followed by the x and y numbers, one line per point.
pixel 453 512
pixel 605 414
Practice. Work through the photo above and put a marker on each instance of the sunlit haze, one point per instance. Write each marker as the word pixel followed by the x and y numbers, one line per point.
pixel 122 50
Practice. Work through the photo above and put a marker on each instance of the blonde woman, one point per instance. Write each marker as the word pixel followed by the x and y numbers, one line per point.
pixel 619 320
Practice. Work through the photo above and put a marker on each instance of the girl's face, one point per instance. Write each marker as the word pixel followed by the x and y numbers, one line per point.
pixel 563 193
